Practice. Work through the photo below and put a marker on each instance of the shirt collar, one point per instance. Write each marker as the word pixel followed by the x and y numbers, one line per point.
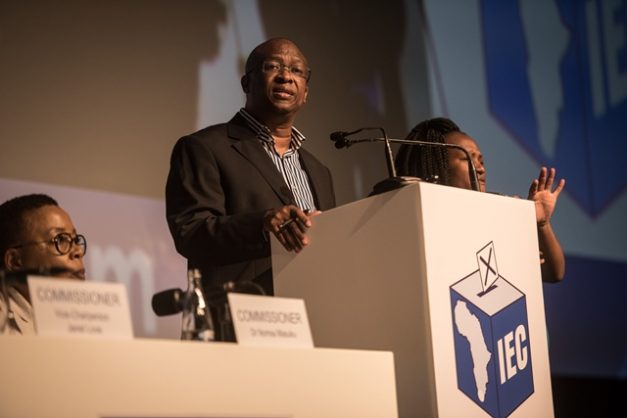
pixel 263 132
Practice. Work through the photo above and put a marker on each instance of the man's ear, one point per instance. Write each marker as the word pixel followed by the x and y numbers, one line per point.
pixel 244 81
pixel 12 259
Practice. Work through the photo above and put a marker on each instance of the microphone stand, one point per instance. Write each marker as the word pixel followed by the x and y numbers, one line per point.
pixel 395 182
pixel 389 157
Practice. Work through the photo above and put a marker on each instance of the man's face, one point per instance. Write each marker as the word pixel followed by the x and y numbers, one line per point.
pixel 273 89
pixel 40 227
pixel 458 163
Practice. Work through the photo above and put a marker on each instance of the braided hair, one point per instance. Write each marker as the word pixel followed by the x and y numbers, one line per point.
pixel 427 163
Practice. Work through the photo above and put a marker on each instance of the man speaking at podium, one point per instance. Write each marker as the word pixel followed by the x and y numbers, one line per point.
pixel 232 184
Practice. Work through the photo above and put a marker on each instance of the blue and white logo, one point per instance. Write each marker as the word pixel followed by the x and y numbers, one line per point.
pixel 491 336
pixel 556 74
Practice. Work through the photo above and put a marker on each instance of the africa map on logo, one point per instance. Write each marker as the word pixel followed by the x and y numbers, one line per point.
pixel 470 328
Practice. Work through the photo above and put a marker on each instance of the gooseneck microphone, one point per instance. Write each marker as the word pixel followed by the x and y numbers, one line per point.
pixel 341 141
pixel 340 137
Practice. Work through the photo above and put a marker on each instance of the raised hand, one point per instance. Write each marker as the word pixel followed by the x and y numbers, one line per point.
pixel 545 197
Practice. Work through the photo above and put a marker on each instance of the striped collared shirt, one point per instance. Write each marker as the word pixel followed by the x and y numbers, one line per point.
pixel 289 164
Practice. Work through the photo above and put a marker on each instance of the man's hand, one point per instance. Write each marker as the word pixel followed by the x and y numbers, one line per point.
pixel 289 224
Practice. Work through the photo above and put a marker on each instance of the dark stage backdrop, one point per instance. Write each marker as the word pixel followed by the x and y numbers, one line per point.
pixel 93 95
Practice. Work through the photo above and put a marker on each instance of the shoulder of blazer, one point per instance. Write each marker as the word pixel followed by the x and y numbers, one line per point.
pixel 238 129
pixel 220 134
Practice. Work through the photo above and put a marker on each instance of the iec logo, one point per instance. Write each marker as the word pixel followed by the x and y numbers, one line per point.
pixel 490 331
pixel 556 75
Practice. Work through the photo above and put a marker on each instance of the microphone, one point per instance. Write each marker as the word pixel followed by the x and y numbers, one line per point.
pixel 339 137
pixel 472 171
pixel 341 141
pixel 168 302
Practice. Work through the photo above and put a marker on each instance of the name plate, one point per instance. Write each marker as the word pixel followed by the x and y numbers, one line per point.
pixel 270 321
pixel 65 307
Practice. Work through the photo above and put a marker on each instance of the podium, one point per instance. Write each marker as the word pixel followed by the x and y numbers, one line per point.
pixel 404 271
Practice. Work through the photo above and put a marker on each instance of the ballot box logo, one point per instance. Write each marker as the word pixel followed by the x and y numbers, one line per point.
pixel 491 338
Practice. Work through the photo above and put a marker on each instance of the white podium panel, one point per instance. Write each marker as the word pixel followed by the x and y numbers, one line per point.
pixel 84 378
pixel 405 271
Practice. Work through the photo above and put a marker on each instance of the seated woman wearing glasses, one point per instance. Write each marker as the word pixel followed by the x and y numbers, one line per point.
pixel 450 167
pixel 36 237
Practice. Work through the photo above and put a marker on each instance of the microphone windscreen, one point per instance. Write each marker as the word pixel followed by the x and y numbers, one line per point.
pixel 167 302
pixel 338 136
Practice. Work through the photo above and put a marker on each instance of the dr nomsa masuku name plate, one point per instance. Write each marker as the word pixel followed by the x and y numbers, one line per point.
pixel 270 321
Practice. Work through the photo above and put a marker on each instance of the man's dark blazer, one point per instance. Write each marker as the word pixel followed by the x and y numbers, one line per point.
pixel 221 183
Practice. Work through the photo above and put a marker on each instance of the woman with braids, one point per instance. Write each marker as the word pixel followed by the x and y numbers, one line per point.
pixel 450 167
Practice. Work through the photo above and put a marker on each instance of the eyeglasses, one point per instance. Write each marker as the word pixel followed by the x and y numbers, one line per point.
pixel 62 242
pixel 273 67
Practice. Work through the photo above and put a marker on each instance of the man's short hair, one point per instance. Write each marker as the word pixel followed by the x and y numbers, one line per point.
pixel 256 55
pixel 12 219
